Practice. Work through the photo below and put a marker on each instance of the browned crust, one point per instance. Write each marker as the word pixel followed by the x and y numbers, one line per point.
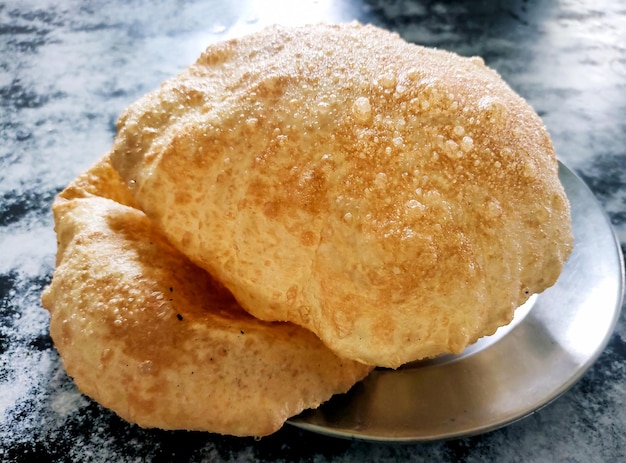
pixel 398 201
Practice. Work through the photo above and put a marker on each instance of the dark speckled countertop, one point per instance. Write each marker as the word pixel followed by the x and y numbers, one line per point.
pixel 67 70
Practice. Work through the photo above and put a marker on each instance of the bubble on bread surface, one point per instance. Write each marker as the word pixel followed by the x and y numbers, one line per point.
pixel 362 109
pixel 467 143
pixel 387 80
pixel 414 208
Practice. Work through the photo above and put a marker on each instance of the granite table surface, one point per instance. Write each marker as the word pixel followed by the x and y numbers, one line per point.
pixel 67 70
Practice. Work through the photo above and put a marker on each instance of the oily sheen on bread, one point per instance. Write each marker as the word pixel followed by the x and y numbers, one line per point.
pixel 151 336
pixel 398 201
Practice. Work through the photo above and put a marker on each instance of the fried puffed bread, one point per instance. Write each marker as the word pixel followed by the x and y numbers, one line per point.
pixel 149 335
pixel 398 201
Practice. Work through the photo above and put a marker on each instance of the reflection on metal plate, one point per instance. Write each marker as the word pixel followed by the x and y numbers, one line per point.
pixel 552 341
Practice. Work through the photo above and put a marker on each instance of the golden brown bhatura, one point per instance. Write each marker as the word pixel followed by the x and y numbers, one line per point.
pixel 398 201
pixel 146 333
